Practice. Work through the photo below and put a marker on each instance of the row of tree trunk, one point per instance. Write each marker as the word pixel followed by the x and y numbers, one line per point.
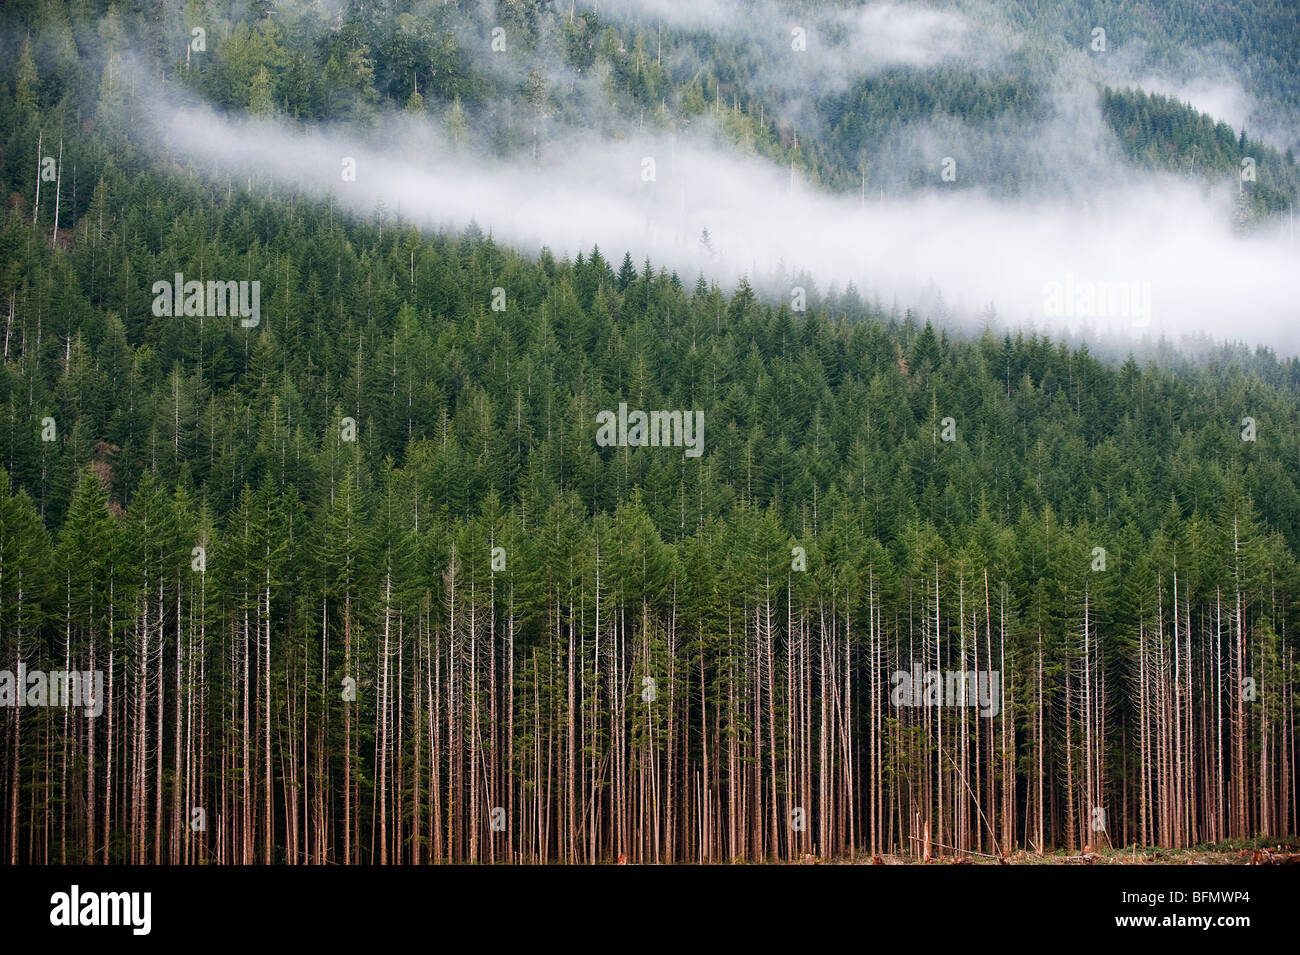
pixel 618 732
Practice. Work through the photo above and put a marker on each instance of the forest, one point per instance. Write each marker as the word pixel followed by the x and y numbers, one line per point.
pixel 365 587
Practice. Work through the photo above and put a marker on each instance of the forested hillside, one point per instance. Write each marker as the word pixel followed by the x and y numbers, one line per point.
pixel 367 588
pixel 623 71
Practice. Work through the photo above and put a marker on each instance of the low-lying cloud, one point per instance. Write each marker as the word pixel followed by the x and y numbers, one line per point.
pixel 1143 255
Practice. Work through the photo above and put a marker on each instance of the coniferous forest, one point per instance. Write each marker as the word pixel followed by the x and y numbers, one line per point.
pixel 364 586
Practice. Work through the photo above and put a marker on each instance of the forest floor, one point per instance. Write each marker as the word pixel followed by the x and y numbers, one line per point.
pixel 1239 852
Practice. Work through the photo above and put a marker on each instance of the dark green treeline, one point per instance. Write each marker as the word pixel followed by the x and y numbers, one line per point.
pixel 645 671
